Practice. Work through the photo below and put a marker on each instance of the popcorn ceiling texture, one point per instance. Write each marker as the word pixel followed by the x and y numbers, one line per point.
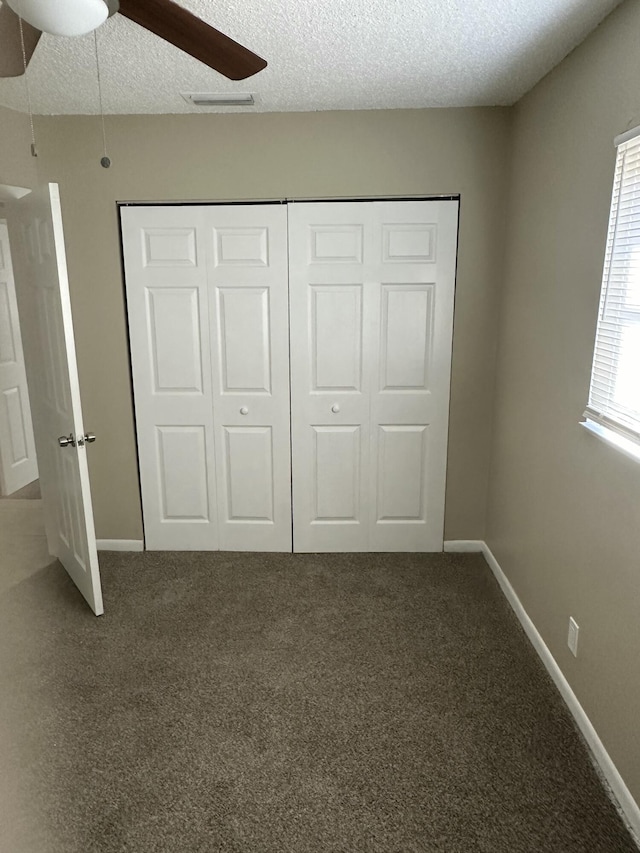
pixel 334 54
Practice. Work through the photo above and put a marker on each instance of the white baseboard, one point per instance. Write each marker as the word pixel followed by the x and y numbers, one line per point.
pixel 628 805
pixel 464 546
pixel 120 544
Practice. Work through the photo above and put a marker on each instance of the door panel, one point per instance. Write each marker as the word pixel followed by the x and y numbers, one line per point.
pixel 173 319
pixel 248 472
pixel 182 473
pixel 337 474
pixel 18 464
pixel 371 293
pixel 244 338
pixel 401 473
pixel 336 329
pixel 406 336
pixel 37 242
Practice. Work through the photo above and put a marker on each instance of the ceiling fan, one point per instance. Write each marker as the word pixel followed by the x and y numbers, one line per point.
pixel 77 17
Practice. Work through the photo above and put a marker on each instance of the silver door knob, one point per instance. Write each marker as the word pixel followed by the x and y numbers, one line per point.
pixel 89 437
pixel 335 408
pixel 244 411
pixel 66 440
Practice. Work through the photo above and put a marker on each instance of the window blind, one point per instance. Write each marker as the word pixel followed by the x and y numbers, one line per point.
pixel 614 395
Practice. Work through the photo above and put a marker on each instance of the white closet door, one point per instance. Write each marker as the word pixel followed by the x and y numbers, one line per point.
pixel 165 260
pixel 208 325
pixel 250 330
pixel 412 297
pixel 372 288
pixel 330 339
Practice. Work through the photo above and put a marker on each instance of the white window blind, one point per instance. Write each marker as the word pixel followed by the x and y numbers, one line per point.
pixel 614 396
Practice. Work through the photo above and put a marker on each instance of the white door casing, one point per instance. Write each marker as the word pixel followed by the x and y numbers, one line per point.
pixel 207 309
pixel 371 294
pixel 18 463
pixel 42 287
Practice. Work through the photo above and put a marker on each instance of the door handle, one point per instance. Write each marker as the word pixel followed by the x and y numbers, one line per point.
pixel 87 438
pixel 335 408
pixel 244 411
pixel 66 440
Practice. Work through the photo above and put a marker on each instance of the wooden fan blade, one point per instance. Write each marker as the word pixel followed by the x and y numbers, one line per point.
pixel 195 37
pixel 11 62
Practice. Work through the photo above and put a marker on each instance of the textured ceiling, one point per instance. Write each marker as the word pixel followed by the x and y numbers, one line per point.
pixel 323 54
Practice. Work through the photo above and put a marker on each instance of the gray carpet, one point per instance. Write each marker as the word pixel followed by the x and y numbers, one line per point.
pixel 30 492
pixel 286 704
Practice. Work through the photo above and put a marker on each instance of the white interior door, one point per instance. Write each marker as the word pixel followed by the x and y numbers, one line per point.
pixel 371 291
pixel 207 307
pixel 18 463
pixel 42 286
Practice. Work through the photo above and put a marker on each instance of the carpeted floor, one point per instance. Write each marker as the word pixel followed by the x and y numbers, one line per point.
pixel 23 543
pixel 30 492
pixel 286 704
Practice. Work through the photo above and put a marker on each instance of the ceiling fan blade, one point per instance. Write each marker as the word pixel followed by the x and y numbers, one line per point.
pixel 11 62
pixel 195 37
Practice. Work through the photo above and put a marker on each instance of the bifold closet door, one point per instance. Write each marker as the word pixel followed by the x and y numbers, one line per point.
pixel 208 327
pixel 371 312
pixel 249 312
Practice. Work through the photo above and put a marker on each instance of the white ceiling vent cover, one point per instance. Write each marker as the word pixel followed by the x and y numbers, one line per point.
pixel 227 99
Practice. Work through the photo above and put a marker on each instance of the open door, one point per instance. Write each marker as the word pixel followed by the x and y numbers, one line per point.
pixel 42 287
pixel 18 463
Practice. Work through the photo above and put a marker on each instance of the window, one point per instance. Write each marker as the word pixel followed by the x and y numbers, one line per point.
pixel 613 410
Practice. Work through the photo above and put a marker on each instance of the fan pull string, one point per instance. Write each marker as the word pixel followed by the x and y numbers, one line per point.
pixel 34 150
pixel 105 161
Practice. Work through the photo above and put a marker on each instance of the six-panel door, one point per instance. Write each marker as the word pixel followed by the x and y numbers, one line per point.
pixel 207 306
pixel 371 292
pixel 42 289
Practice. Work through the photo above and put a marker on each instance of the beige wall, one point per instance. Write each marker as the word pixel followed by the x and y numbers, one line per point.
pixel 274 156
pixel 17 166
pixel 564 509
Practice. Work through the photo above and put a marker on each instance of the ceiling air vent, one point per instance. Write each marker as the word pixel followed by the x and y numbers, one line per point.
pixel 228 99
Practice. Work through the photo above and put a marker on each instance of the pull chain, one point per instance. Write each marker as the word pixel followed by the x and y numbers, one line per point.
pixel 105 161
pixel 34 150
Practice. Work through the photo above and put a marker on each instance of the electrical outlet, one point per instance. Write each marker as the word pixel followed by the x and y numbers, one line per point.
pixel 572 640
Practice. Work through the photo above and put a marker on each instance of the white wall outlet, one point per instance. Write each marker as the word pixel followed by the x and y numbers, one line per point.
pixel 572 640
